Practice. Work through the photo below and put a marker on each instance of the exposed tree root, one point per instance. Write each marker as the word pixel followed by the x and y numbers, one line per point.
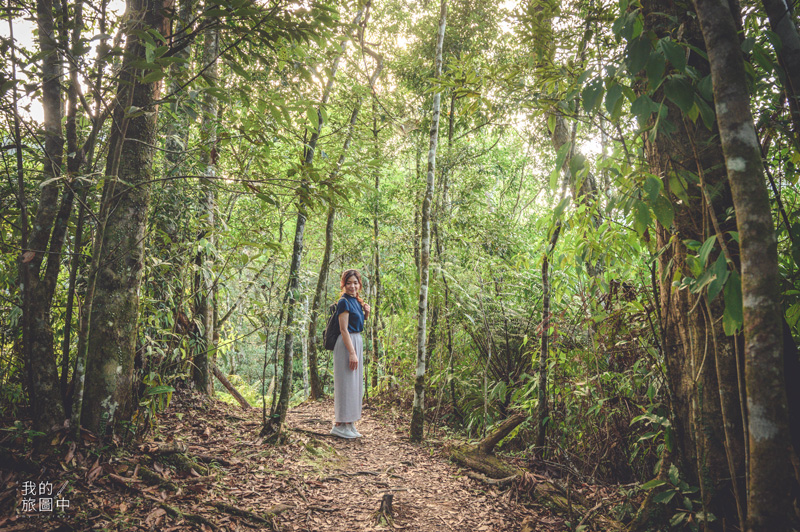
pixel 191 518
pixel 269 520
pixel 494 471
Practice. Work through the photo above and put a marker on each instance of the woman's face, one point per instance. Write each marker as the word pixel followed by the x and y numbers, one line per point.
pixel 352 286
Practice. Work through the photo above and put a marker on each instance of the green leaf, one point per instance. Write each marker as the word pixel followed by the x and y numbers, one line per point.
pixel 663 211
pixel 674 476
pixel 612 97
pixel 656 482
pixel 313 117
pixel 706 89
pixel 680 92
pixel 732 318
pixel 643 107
pixel 655 69
pixel 665 497
pixel 706 113
pixel 638 54
pixel 720 271
pixel 641 217
pixel 675 53
pixel 705 249
pixel 591 95
pixel 652 187
pixel 576 164
pixel 560 157
pixel 158 390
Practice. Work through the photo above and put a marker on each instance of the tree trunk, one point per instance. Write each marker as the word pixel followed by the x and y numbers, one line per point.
pixel 37 293
pixel 297 252
pixel 317 390
pixel 769 501
pixel 542 410
pixel 376 308
pixel 204 304
pixel 417 413
pixel 701 362
pixel 126 198
pixel 228 386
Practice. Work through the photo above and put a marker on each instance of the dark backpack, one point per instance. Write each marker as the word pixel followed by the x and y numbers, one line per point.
pixel 332 331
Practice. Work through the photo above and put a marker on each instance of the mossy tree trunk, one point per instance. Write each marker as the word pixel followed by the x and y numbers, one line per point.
pixel 124 206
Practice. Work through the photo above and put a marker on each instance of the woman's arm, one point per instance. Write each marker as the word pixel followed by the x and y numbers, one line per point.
pixel 366 308
pixel 344 321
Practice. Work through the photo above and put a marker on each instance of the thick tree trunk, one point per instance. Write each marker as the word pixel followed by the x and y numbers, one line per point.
pixel 417 413
pixel 769 501
pixel 126 198
pixel 701 362
pixel 204 304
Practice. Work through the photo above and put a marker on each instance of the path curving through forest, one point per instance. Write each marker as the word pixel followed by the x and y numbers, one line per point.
pixel 429 492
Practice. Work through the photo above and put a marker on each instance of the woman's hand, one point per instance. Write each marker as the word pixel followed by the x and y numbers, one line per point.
pixel 367 308
pixel 353 361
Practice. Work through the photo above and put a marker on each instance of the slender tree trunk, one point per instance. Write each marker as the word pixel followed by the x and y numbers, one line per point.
pixel 126 198
pixel 317 390
pixel 542 410
pixel 297 250
pixel 205 346
pixel 417 413
pixel 769 500
pixel 376 252
pixel 41 371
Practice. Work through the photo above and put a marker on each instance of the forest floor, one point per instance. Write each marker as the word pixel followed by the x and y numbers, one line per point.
pixel 312 482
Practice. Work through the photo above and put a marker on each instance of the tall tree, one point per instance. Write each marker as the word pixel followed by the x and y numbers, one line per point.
pixel 417 413
pixel 204 285
pixel 36 289
pixel 119 249
pixel 769 501
pixel 297 247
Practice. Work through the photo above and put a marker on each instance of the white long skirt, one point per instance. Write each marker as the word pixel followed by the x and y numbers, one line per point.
pixel 348 385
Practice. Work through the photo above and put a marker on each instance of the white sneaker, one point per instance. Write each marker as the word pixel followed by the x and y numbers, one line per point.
pixel 342 432
pixel 352 428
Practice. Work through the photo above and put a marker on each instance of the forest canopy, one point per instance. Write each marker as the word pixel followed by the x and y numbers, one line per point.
pixel 579 216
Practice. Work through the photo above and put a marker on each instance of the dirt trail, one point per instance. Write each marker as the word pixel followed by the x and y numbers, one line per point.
pixel 429 492
pixel 327 483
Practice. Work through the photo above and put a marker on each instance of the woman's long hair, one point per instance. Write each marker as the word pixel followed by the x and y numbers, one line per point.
pixel 345 276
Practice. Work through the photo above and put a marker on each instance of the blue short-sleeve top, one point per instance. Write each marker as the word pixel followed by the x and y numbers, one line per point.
pixel 350 304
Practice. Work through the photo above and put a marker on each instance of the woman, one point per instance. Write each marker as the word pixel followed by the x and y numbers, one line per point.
pixel 348 362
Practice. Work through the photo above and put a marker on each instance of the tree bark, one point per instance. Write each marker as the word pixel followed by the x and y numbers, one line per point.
pixel 204 303
pixel 701 373
pixel 37 292
pixel 126 198
pixel 297 252
pixel 317 390
pixel 769 501
pixel 417 413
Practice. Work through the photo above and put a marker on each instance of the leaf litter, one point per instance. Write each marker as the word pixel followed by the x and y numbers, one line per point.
pixel 207 469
